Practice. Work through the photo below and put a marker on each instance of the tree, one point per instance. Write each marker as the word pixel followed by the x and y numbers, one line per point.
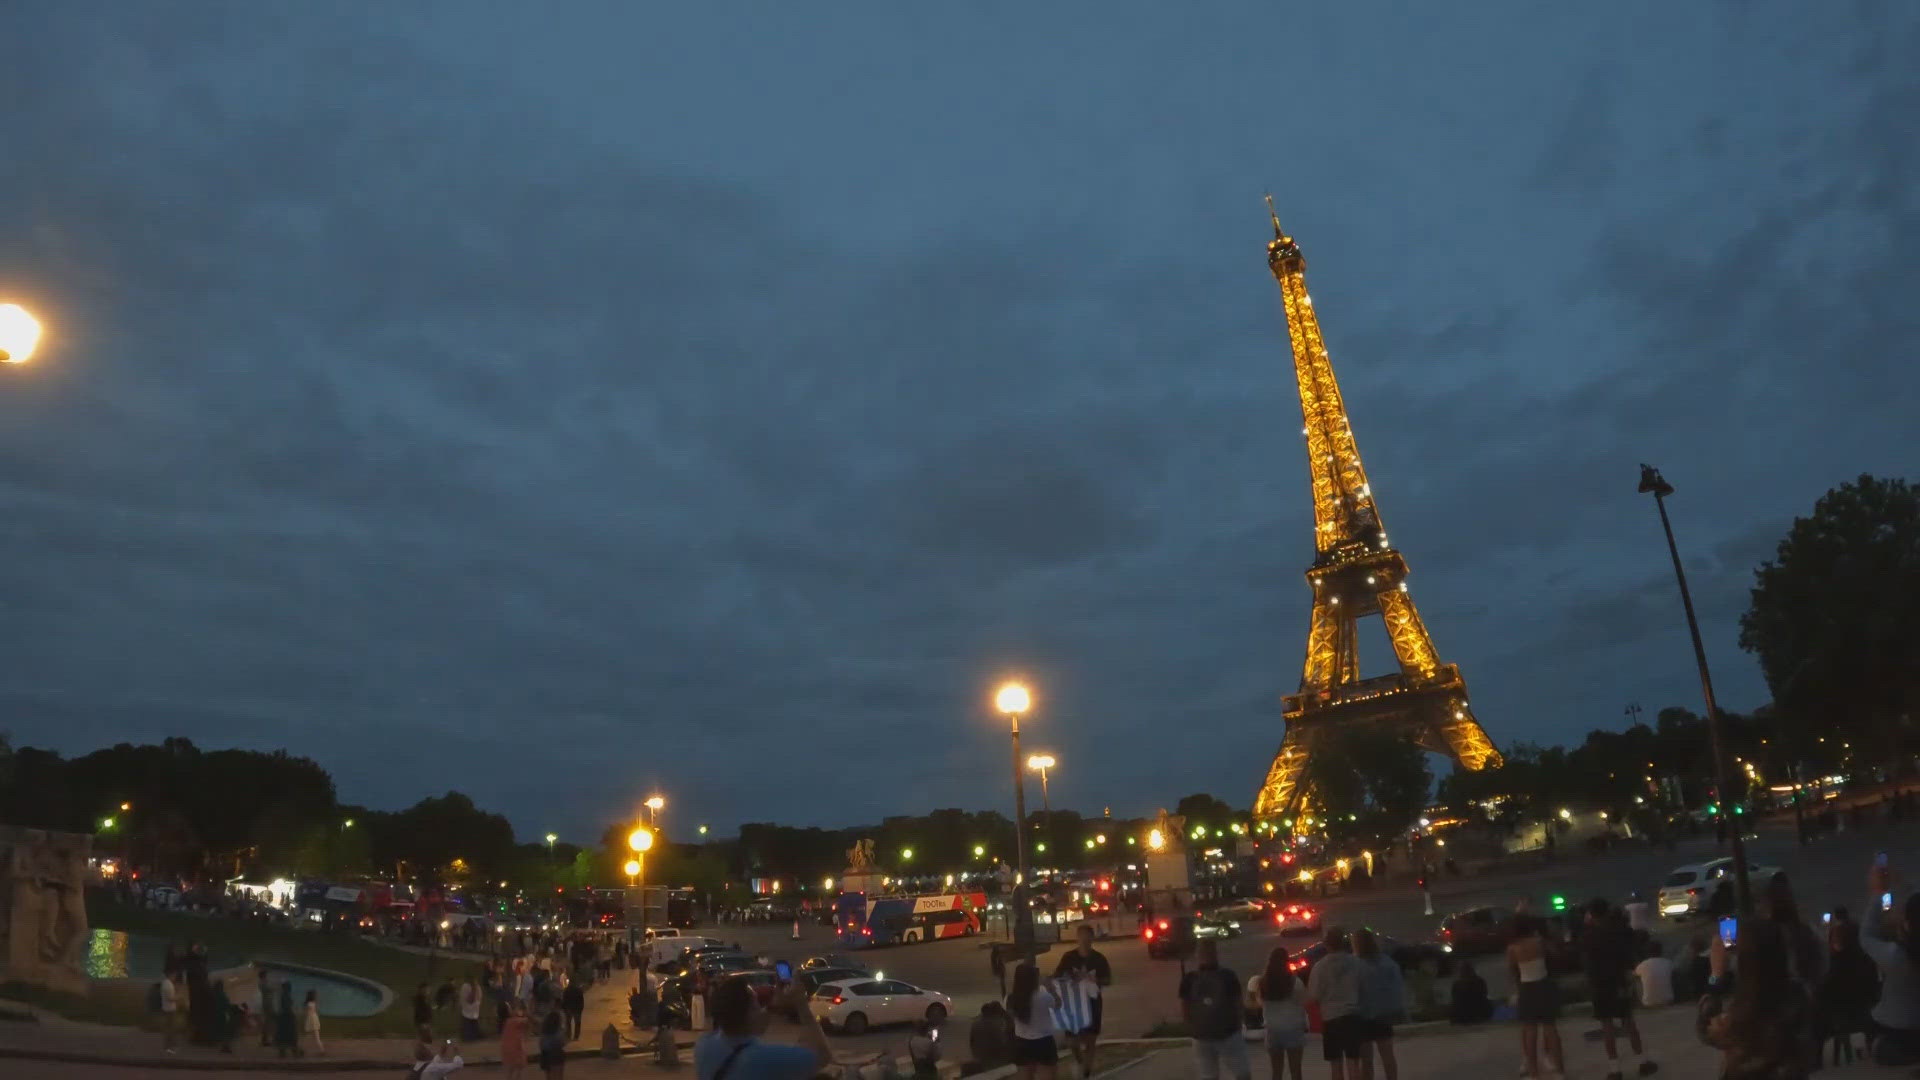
pixel 1831 615
pixel 1369 783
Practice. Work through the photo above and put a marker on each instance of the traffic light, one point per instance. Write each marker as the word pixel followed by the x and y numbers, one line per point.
pixel 1739 809
pixel 1712 809
pixel 1559 902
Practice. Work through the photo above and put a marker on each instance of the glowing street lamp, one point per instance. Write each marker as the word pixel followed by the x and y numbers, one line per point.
pixel 633 870
pixel 655 804
pixel 640 840
pixel 1157 840
pixel 979 851
pixel 19 334
pixel 906 854
pixel 1014 700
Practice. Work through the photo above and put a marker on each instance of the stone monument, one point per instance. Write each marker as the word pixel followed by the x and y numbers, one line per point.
pixel 43 908
pixel 862 874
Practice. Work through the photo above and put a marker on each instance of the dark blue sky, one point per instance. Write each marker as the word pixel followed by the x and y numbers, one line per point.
pixel 548 401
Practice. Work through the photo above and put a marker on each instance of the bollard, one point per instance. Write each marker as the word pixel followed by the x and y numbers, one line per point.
pixel 610 1043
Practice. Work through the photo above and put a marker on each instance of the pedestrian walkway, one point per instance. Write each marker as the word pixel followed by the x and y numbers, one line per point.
pixel 1492 1052
pixel 55 1039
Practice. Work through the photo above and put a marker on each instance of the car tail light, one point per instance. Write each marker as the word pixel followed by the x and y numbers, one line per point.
pixel 838 1000
pixel 1693 892
pixel 1163 924
pixel 1149 933
pixel 1296 965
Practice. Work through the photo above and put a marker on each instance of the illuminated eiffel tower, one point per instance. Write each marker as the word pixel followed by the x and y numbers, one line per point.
pixel 1354 573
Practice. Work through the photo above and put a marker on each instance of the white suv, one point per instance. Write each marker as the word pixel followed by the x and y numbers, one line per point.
pixel 1687 890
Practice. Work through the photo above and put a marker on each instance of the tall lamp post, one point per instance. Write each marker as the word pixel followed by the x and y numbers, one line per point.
pixel 1013 700
pixel 19 334
pixel 655 804
pixel 1651 482
pixel 639 841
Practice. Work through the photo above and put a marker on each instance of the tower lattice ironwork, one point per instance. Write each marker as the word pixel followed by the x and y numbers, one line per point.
pixel 1355 573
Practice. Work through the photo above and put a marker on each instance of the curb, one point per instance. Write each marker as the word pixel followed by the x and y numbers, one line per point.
pixel 289 1065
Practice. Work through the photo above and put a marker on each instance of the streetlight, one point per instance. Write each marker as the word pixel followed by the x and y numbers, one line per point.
pixel 1651 482
pixel 906 854
pixel 639 841
pixel 1157 840
pixel 703 830
pixel 19 334
pixel 655 804
pixel 979 851
pixel 347 824
pixel 1014 700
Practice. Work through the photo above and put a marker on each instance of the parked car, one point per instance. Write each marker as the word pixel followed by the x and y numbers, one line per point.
pixel 815 978
pixel 831 960
pixel 1408 955
pixel 1688 888
pixel 1477 931
pixel 856 1005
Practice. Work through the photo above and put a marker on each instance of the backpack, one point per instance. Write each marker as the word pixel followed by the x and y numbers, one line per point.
pixel 1214 1003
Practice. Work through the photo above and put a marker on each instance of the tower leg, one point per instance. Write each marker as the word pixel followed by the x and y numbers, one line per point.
pixel 1282 792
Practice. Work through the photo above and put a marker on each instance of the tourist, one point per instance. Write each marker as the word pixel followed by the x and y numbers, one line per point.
pixel 447 1060
pixel 1895 950
pixel 1468 1002
pixel 1655 978
pixel 1765 1031
pixel 513 1042
pixel 1087 967
pixel 1334 983
pixel 1538 997
pixel 923 1050
pixel 573 1001
pixel 733 1050
pixel 1804 949
pixel 1031 1006
pixel 1847 993
pixel 553 1046
pixel 311 1021
pixel 224 1019
pixel 286 1024
pixel 990 1040
pixel 1606 949
pixel 169 1005
pixel 469 1010
pixel 422 1008
pixel 1383 1001
pixel 263 1008
pixel 1276 994
pixel 1210 1002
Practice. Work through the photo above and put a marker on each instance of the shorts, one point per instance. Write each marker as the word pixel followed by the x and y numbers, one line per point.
pixel 1035 1051
pixel 1343 1037
pixel 1093 1019
pixel 1611 1001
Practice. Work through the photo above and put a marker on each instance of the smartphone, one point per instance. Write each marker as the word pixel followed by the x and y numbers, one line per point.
pixel 1826 918
pixel 784 970
pixel 1729 929
pixel 1886 901
pixel 1880 859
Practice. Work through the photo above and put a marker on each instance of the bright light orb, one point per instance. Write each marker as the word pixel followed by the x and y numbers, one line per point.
pixel 640 840
pixel 1013 698
pixel 656 804
pixel 19 334
pixel 633 868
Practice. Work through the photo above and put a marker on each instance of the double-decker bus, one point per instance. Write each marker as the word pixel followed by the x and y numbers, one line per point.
pixel 860 920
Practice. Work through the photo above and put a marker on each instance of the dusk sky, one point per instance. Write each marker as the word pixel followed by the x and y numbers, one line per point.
pixel 557 401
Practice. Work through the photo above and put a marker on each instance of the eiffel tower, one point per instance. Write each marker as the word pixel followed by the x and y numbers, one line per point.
pixel 1355 573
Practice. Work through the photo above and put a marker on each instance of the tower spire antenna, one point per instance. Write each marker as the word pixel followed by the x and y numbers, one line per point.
pixel 1278 232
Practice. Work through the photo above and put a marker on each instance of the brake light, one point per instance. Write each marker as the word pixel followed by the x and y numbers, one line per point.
pixel 1149 933
pixel 838 1000
pixel 1163 924
pixel 1296 965
pixel 1693 892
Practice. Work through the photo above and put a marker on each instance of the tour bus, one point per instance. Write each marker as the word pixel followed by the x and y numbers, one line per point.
pixel 860 920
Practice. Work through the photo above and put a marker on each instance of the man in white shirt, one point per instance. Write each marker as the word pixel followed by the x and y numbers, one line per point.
pixel 1655 976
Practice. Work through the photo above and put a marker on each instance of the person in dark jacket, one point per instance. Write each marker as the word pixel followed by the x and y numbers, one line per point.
pixel 1847 993
pixel 573 1001
pixel 1607 954
pixel 1469 1003
pixel 286 1024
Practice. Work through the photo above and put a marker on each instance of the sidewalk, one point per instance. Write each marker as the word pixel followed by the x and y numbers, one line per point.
pixel 56 1039
pixel 1492 1052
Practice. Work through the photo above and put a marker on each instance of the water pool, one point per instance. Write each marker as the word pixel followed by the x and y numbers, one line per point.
pixel 335 993
pixel 115 954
